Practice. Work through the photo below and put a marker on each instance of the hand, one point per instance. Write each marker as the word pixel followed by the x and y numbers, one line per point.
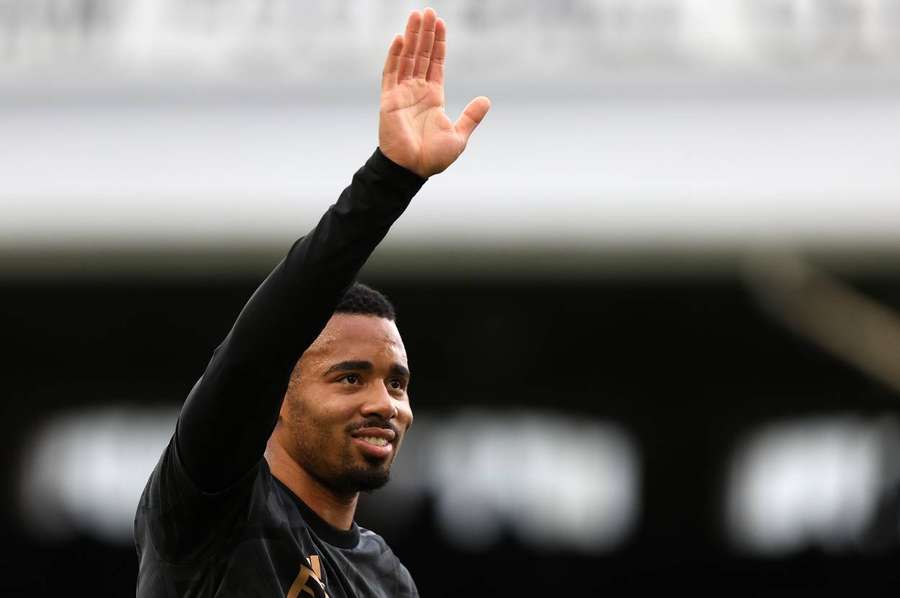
pixel 413 129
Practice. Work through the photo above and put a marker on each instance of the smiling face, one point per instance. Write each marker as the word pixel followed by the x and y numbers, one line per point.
pixel 346 409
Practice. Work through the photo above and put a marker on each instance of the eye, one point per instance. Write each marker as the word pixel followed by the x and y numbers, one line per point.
pixel 350 379
pixel 397 383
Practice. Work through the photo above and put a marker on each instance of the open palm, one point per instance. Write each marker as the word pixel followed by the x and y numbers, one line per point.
pixel 413 130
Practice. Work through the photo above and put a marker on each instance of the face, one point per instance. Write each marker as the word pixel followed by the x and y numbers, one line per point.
pixel 346 409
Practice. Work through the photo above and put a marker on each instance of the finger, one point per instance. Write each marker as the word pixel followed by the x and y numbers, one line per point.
pixel 472 116
pixel 408 56
pixel 426 43
pixel 436 65
pixel 392 64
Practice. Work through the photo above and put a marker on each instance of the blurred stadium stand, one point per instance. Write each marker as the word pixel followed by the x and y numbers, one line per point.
pixel 651 314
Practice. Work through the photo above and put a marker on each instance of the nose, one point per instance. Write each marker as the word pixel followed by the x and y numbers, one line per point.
pixel 380 402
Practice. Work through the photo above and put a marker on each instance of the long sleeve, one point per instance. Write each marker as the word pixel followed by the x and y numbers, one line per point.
pixel 231 411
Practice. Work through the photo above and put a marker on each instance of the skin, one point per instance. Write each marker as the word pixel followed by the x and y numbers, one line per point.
pixel 313 449
pixel 413 129
pixel 351 382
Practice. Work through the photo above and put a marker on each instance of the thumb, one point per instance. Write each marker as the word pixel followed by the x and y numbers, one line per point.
pixel 471 116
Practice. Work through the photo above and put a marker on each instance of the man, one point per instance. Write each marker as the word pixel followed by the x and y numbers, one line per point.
pixel 305 402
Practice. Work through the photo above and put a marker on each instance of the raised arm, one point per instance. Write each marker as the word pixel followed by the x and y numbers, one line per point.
pixel 230 413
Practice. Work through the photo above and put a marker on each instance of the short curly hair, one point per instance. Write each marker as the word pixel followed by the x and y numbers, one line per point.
pixel 364 300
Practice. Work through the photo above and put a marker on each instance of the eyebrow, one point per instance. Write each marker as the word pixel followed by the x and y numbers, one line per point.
pixel 365 366
pixel 399 370
pixel 350 366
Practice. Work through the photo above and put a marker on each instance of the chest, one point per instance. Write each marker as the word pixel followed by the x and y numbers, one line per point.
pixel 278 541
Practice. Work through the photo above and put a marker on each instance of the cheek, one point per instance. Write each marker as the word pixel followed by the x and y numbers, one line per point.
pixel 405 415
pixel 319 430
pixel 328 413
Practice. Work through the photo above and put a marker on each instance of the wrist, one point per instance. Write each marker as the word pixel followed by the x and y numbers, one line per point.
pixel 384 163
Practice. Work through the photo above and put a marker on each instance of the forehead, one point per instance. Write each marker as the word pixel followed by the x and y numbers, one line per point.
pixel 358 337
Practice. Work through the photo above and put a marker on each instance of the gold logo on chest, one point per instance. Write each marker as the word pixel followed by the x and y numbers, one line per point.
pixel 309 580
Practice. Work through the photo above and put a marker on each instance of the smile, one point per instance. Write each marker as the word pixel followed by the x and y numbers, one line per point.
pixel 374 447
pixel 374 440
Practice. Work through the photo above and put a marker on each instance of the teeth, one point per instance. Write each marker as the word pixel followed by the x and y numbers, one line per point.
pixel 375 441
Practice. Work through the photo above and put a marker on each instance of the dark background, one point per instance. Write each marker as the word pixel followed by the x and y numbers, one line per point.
pixel 687 364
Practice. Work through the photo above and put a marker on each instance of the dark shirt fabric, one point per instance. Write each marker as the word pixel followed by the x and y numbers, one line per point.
pixel 213 520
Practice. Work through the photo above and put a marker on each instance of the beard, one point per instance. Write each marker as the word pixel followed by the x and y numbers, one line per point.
pixel 347 478
pixel 360 479
pixel 346 472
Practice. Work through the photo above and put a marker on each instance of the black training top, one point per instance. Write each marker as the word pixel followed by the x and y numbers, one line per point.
pixel 213 520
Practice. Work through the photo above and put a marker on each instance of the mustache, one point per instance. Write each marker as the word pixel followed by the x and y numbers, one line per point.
pixel 374 422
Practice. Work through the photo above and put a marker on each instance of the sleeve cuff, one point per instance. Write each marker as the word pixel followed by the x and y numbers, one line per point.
pixel 386 167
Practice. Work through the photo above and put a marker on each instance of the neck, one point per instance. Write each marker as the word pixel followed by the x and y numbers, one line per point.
pixel 335 509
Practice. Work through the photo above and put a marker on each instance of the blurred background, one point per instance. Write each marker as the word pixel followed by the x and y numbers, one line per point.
pixel 652 312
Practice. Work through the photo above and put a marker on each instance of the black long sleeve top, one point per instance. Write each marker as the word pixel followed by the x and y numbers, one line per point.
pixel 212 520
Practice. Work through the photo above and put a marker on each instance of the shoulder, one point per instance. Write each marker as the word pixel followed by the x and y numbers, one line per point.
pixel 389 563
pixel 373 542
pixel 178 519
pixel 172 486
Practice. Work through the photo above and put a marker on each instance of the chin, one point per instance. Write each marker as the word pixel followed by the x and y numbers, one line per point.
pixel 369 479
pixel 364 477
